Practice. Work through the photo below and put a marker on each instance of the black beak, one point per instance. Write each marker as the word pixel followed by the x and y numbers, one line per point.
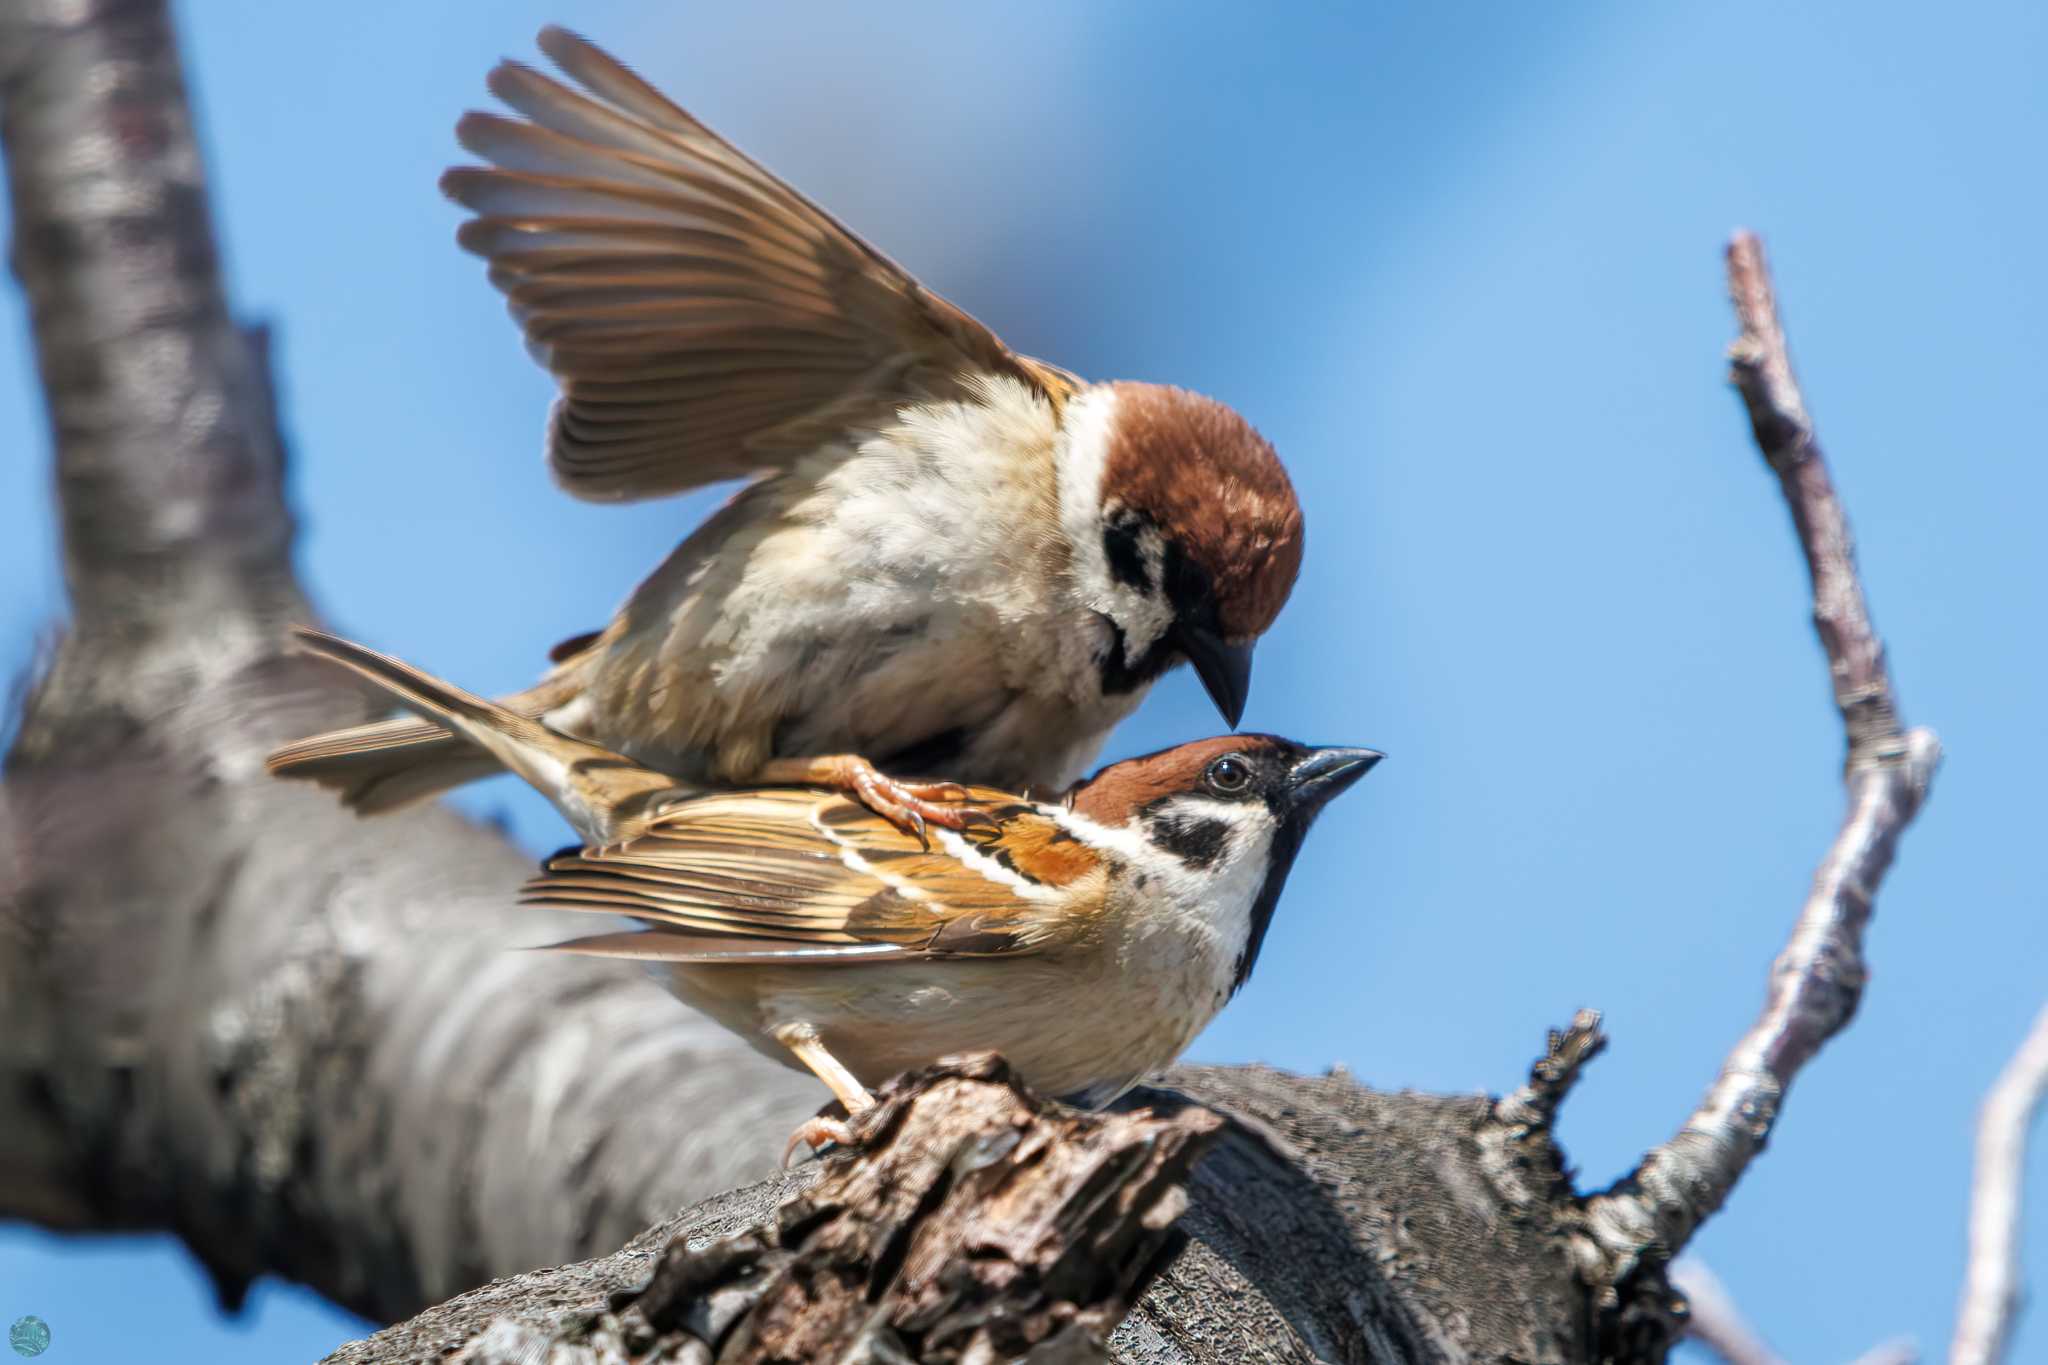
pixel 1324 774
pixel 1225 669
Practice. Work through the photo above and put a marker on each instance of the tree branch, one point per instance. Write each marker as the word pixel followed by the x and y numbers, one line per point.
pixel 973 1222
pixel 1326 1223
pixel 229 1008
pixel 1818 977
pixel 1716 1322
pixel 1991 1284
pixel 169 471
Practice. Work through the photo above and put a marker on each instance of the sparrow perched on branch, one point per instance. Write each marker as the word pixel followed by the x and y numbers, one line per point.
pixel 952 558
pixel 1087 940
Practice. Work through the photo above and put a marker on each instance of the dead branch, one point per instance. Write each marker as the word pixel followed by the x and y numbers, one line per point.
pixel 973 1222
pixel 1714 1320
pixel 1992 1296
pixel 1818 977
pixel 1325 1223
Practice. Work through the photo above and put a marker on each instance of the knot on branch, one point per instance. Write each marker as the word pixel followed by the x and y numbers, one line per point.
pixel 971 1221
pixel 1552 1076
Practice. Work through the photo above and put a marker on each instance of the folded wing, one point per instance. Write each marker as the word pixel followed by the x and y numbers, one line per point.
pixel 804 876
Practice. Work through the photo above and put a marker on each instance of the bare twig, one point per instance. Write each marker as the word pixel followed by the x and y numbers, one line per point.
pixel 1818 977
pixel 1991 1285
pixel 1715 1321
pixel 1552 1076
pixel 177 545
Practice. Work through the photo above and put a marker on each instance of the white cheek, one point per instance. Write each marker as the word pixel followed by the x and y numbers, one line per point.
pixel 1219 899
pixel 1208 909
pixel 1083 452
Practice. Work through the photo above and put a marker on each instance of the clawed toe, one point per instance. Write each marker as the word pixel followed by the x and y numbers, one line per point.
pixel 817 1132
pixel 913 806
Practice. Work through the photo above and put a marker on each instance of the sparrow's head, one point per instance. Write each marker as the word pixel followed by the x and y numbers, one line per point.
pixel 1185 530
pixel 1219 822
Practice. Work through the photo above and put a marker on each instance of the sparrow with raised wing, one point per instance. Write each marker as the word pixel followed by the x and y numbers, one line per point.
pixel 1087 940
pixel 951 557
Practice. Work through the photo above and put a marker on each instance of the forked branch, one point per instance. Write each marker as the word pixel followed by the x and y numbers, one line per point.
pixel 1818 977
pixel 1991 1284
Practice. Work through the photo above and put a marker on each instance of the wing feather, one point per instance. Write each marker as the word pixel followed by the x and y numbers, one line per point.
pixel 643 255
pixel 790 871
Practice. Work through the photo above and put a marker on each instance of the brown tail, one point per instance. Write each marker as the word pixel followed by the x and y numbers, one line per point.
pixel 392 763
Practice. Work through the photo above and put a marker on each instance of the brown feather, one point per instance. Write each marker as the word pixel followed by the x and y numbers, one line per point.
pixel 800 866
pixel 1217 490
pixel 1118 792
pixel 642 252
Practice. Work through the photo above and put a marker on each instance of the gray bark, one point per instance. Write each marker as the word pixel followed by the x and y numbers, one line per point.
pixel 229 1009
pixel 226 1007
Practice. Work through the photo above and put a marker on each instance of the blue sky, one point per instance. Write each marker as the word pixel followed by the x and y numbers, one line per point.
pixel 1462 266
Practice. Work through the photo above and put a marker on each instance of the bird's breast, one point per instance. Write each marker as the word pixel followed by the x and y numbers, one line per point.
pixel 895 594
pixel 1069 1026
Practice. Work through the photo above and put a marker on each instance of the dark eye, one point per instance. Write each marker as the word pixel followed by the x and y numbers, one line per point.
pixel 1228 775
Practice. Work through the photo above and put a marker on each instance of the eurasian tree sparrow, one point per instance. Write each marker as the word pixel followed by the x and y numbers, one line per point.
pixel 1087 940
pixel 952 558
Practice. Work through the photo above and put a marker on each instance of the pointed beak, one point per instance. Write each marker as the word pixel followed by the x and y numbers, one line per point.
pixel 1324 774
pixel 1225 669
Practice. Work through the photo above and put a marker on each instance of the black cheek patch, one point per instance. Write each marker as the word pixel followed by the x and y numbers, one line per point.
pixel 1197 841
pixel 1126 559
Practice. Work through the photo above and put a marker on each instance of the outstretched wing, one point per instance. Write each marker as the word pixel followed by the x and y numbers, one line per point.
pixel 705 319
pixel 798 875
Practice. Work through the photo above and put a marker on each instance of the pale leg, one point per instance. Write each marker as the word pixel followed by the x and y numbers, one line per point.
pixel 802 1040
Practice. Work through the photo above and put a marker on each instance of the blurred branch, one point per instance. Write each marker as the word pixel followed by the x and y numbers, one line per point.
pixel 1716 1322
pixel 1817 979
pixel 169 473
pixel 226 1008
pixel 1991 1284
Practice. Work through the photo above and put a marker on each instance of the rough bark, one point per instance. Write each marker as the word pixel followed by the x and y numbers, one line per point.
pixel 229 1009
pixel 1327 1223
pixel 970 1222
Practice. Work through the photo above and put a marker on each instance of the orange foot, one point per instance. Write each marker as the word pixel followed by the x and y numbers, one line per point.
pixel 910 806
pixel 817 1132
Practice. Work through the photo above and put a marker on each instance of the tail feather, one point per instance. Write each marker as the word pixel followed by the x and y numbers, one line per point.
pixel 382 767
pixel 601 793
pixel 392 763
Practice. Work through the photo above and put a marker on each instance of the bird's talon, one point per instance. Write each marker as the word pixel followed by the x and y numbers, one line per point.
pixel 817 1132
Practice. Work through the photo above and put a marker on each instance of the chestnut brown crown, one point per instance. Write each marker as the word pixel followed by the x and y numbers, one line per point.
pixel 1121 790
pixel 1218 494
